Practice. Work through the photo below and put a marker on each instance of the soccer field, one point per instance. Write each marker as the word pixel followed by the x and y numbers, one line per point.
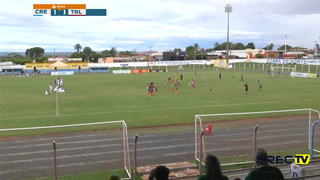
pixel 110 97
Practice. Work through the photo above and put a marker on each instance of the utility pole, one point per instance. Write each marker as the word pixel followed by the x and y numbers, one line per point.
pixel 285 47
pixel 316 48
pixel 228 9
pixel 54 54
pixel 135 54
pixel 150 52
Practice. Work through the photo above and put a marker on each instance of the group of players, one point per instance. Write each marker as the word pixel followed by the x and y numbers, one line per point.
pixel 175 83
pixel 58 87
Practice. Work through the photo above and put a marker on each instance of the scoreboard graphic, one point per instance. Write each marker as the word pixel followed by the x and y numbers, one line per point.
pixel 66 10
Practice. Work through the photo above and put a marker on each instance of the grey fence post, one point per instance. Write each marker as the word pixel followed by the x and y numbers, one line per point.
pixel 201 152
pixel 135 157
pixel 312 138
pixel 255 143
pixel 55 161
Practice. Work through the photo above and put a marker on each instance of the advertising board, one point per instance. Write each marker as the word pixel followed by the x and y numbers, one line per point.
pixel 60 73
pixel 121 71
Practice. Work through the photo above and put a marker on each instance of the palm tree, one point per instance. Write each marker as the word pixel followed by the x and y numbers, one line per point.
pixel 113 51
pixel 77 47
pixel 87 51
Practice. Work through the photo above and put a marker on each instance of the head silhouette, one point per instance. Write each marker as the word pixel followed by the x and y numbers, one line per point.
pixel 213 168
pixel 161 173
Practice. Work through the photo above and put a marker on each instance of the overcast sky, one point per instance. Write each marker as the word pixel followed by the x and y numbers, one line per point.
pixel 163 24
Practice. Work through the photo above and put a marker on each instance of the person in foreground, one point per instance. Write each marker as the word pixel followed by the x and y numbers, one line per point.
pixel 161 173
pixel 264 171
pixel 213 169
pixel 114 177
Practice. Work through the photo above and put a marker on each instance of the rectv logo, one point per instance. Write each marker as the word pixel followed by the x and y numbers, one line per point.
pixel 298 159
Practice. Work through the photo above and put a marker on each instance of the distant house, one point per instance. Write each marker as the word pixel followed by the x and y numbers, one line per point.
pixel 157 56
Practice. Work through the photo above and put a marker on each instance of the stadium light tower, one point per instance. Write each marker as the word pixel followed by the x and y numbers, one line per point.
pixel 228 9
pixel 150 52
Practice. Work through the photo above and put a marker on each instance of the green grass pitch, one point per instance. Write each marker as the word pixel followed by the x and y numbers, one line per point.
pixel 109 97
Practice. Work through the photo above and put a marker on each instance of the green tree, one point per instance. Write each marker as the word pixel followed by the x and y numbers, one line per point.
pixel 113 51
pixel 76 55
pixel 190 49
pixel 77 47
pixel 14 56
pixel 87 51
pixel 251 45
pixel 269 47
pixel 190 56
pixel 96 56
pixel 128 53
pixel 42 59
pixel 284 46
pixel 271 55
pixel 35 51
pixel 177 50
pixel 259 56
pixel 240 46
pixel 105 53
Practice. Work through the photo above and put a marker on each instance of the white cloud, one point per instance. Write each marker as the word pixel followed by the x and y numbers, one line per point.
pixel 164 24
pixel 130 42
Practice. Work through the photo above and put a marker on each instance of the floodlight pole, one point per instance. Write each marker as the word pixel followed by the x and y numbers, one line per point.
pixel 150 52
pixel 285 47
pixel 228 9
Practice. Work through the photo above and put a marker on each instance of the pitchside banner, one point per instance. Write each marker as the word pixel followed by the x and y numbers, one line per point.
pixel 158 70
pixel 294 61
pixel 296 74
pixel 121 71
pixel 60 73
pixel 137 71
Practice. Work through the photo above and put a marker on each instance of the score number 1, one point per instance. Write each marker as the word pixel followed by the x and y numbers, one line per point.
pixel 55 12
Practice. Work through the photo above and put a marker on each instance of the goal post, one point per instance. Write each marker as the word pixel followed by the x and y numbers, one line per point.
pixel 232 138
pixel 81 148
pixel 282 68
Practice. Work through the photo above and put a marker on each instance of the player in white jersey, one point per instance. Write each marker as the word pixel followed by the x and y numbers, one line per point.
pixel 50 88
pixel 296 170
pixel 61 83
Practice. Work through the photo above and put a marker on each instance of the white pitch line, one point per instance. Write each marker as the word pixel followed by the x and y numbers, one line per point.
pixel 144 149
pixel 28 139
pixel 143 136
pixel 139 150
pixel 143 142
pixel 87 147
pixel 148 142
pixel 163 109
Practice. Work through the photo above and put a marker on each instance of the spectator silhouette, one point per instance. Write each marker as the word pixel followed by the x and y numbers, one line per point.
pixel 213 169
pixel 237 179
pixel 114 177
pixel 161 173
pixel 264 171
pixel 152 174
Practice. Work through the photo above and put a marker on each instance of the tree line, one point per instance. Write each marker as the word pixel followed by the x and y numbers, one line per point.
pixel 87 54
